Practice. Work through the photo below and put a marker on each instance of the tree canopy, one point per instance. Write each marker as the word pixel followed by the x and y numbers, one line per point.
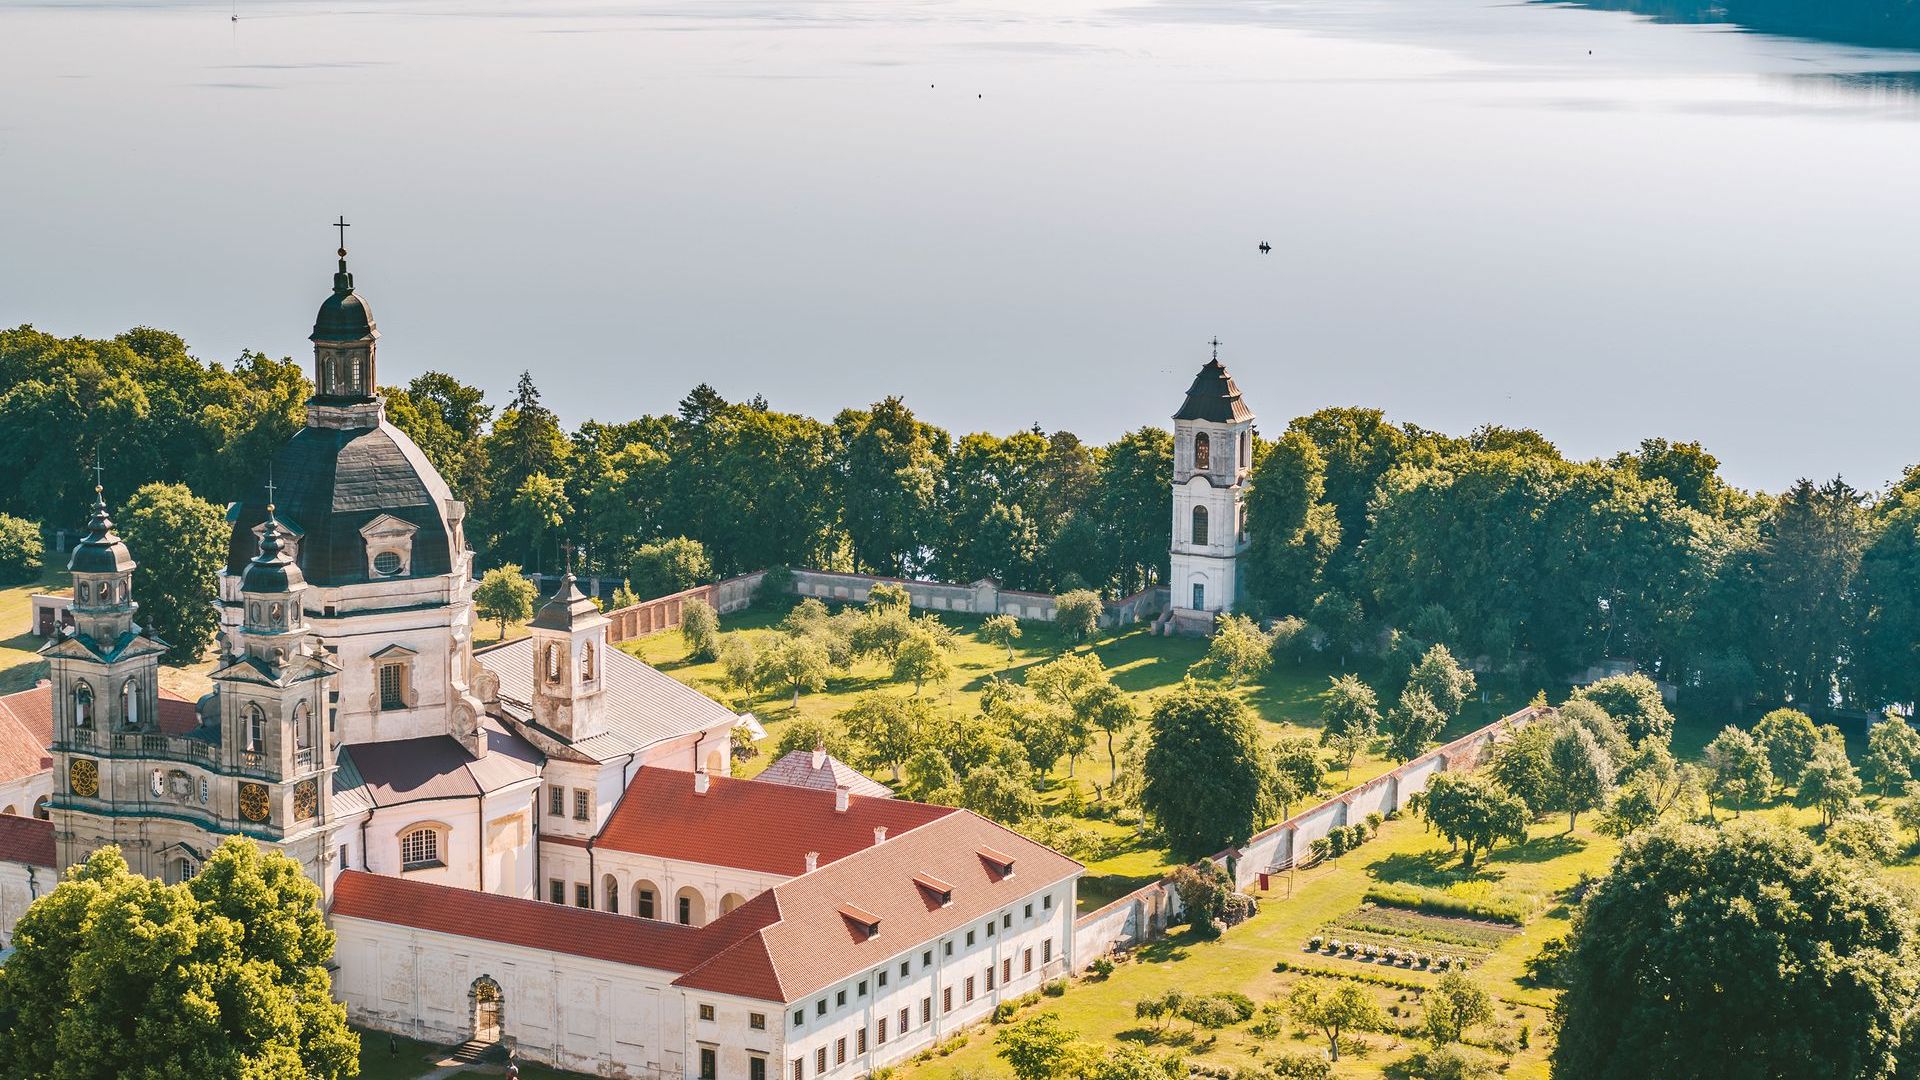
pixel 1205 770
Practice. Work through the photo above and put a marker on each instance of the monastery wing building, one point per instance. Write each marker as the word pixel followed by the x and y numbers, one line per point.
pixel 537 843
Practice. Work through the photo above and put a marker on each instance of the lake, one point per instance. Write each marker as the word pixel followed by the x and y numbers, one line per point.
pixel 1535 214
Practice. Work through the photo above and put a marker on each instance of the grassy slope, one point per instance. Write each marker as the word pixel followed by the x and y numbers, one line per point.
pixel 1286 700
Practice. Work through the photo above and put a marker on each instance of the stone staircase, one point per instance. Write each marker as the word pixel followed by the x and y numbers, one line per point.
pixel 475 1052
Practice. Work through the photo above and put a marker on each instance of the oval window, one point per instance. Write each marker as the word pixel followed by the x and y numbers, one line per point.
pixel 386 564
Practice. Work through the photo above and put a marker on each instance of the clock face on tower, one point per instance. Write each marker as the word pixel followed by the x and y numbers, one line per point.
pixel 306 800
pixel 83 776
pixel 253 802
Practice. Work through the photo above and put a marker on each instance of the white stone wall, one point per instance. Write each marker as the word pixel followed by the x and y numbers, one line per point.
pixel 19 796
pixel 506 845
pixel 20 886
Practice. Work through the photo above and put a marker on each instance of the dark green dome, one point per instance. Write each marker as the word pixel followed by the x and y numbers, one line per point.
pixel 273 570
pixel 343 316
pixel 102 552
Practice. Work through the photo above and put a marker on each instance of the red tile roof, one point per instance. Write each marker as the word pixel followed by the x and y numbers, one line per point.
pixel 813 944
pixel 768 828
pixel 33 709
pixel 622 939
pixel 26 840
pixel 22 754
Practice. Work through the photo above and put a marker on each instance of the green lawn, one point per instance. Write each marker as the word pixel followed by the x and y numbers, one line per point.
pixel 20 666
pixel 380 1061
pixel 1244 958
pixel 1286 700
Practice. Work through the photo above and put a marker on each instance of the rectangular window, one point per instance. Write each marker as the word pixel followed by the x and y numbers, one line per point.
pixel 882 976
pixel 880 1032
pixel 799 1017
pixel 862 991
pixel 926 1010
pixel 820 1007
pixel 989 979
pixel 820 1061
pixel 1006 921
pixel 906 968
pixel 757 1021
pixel 708 1066
pixel 706 1012
pixel 840 1000
pixel 1026 961
pixel 860 1041
pixel 969 996
pixel 840 1050
pixel 1006 970
pixel 1047 902
pixel 1029 913
pixel 686 911
pixel 420 848
pixel 903 1021
pixel 989 929
pixel 969 939
pixel 582 896
pixel 392 686
pixel 557 802
pixel 947 947
pixel 646 904
pixel 799 1069
pixel 926 958
pixel 579 804
pixel 1046 951
pixel 557 891
pixel 757 1068
pixel 946 1000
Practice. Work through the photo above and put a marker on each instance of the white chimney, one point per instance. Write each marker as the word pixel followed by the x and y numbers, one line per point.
pixel 700 781
pixel 819 758
pixel 840 794
pixel 879 834
pixel 813 861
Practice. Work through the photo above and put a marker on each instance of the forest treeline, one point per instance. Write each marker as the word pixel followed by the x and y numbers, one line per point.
pixel 1380 535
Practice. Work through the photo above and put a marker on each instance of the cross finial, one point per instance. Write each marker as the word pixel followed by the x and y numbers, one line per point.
pixel 97 469
pixel 1216 346
pixel 566 552
pixel 343 225
pixel 269 489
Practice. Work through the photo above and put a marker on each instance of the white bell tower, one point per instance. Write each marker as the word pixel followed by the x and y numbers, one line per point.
pixel 1212 457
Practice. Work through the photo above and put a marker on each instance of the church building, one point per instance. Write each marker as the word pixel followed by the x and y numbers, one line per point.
pixel 538 843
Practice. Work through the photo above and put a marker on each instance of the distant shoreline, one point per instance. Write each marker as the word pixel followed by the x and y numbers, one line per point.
pixel 1889 24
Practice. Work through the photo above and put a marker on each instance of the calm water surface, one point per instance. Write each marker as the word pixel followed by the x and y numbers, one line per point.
pixel 1010 212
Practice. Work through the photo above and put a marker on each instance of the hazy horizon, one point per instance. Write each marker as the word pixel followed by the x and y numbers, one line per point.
pixel 1007 214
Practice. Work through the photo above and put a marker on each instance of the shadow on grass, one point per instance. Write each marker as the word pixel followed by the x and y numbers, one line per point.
pixel 1431 869
pixel 1539 849
pixel 1147 1036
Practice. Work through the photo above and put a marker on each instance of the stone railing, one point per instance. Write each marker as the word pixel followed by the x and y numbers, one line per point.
pixel 174 747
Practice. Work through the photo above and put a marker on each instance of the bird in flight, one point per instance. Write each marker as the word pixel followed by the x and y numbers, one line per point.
pixel 1265 248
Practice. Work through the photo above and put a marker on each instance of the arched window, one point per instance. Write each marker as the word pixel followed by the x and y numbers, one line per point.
pixel 253 614
pixel 40 807
pixel 82 705
pixel 420 848
pixel 1199 526
pixel 80 592
pixel 586 663
pixel 130 705
pixel 1246 449
pixel 182 868
pixel 256 729
pixel 612 890
pixel 1202 452
pixel 553 662
pixel 302 726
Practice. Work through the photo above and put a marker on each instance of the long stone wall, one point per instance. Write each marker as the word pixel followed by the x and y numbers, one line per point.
pixel 663 612
pixel 1141 915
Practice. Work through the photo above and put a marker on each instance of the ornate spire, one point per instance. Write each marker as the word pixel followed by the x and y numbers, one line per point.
pixel 101 551
pixel 273 570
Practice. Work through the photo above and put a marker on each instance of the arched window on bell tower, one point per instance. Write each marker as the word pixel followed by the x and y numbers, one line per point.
pixel 82 706
pixel 1199 530
pixel 130 704
pixel 1202 452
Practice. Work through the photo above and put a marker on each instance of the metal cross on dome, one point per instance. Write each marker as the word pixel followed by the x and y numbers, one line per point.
pixel 97 469
pixel 1216 346
pixel 343 225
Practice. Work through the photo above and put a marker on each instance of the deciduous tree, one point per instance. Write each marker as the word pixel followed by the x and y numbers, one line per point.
pixel 1473 813
pixel 1349 717
pixel 1334 1009
pixel 505 596
pixel 180 543
pixel 1205 771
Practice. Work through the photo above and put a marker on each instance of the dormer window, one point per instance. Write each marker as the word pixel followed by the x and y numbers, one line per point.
pixel 999 861
pixel 864 921
pixel 934 888
pixel 389 543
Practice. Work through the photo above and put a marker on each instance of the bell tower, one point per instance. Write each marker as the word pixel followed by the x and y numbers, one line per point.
pixel 569 644
pixel 1212 458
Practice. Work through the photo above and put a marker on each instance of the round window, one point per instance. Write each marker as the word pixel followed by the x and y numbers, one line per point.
pixel 386 564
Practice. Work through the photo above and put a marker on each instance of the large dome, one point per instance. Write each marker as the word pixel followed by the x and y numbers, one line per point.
pixel 330 483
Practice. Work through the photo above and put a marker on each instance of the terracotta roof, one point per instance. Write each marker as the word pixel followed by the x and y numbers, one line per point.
pixel 643 706
pixel 815 942
pixel 26 840
pixel 749 825
pixel 33 709
pixel 437 767
pixel 622 939
pixel 22 754
pixel 796 770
